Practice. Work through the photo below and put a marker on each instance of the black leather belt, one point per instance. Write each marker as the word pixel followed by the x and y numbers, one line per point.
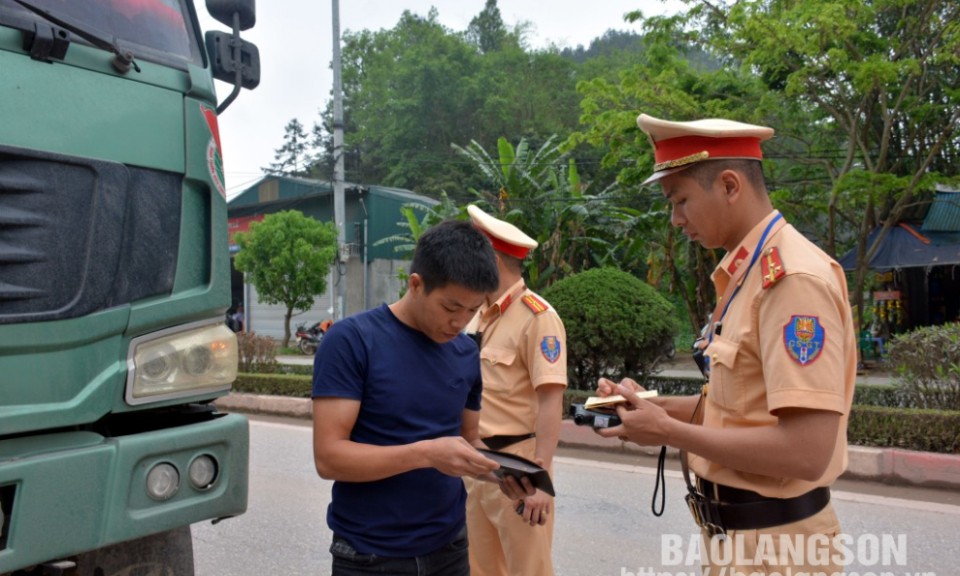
pixel 720 508
pixel 500 442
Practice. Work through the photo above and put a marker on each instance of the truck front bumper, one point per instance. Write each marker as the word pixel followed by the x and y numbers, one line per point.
pixel 71 492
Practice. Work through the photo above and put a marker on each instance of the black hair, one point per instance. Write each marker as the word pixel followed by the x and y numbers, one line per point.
pixel 706 172
pixel 454 252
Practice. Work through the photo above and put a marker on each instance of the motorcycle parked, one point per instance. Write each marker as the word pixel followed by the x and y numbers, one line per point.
pixel 308 339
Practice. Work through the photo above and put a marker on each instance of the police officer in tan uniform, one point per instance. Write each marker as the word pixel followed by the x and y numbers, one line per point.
pixel 524 369
pixel 767 437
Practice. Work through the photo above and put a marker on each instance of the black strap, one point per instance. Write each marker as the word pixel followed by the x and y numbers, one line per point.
pixel 762 512
pixel 683 453
pixel 660 484
pixel 501 441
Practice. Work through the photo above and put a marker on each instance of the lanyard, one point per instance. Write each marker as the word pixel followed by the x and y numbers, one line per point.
pixel 753 260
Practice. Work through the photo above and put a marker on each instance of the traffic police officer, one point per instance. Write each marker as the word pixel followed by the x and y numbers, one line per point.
pixel 767 437
pixel 524 369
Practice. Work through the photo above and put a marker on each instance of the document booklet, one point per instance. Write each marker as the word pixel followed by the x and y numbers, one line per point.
pixel 512 465
pixel 609 402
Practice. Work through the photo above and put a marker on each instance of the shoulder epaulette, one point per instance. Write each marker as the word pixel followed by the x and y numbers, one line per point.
pixel 535 304
pixel 771 267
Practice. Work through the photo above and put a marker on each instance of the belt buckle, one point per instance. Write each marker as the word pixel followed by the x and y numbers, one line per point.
pixel 703 516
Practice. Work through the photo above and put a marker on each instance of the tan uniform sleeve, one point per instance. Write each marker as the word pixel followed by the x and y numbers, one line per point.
pixel 545 348
pixel 802 344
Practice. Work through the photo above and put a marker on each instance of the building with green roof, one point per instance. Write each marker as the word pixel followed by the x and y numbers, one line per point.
pixel 371 271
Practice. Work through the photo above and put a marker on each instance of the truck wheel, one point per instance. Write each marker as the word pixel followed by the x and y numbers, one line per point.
pixel 165 554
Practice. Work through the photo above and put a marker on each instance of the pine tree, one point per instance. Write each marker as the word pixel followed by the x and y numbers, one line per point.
pixel 292 158
pixel 486 29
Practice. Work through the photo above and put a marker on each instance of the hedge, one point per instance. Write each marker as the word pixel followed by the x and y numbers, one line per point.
pixel 910 428
pixel 880 415
pixel 294 385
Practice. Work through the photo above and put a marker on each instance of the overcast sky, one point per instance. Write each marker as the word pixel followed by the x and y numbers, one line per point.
pixel 295 42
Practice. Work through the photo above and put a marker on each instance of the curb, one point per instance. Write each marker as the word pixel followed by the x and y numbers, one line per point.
pixel 885 465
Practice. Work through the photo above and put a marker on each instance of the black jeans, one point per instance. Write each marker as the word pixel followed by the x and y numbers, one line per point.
pixel 449 560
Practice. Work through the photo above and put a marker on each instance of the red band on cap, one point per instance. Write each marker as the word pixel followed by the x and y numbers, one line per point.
pixel 505 247
pixel 683 146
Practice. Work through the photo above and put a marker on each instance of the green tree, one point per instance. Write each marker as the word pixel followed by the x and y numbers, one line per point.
pixel 291 159
pixel 664 83
pixel 881 76
pixel 287 257
pixel 486 29
pixel 409 92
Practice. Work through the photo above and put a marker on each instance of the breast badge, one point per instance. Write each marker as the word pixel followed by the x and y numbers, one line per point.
pixel 804 337
pixel 550 346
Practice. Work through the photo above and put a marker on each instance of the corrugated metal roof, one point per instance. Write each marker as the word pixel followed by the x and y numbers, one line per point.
pixel 944 213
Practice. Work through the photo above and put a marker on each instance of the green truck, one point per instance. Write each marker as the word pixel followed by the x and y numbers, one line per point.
pixel 114 279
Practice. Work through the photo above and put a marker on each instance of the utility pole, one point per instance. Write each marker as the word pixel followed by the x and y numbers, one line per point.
pixel 339 210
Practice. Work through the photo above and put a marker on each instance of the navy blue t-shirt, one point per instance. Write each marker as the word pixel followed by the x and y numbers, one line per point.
pixel 410 388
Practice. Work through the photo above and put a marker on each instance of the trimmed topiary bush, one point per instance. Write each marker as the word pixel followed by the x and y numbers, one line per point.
pixel 616 325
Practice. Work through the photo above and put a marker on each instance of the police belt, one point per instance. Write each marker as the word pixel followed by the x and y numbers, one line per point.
pixel 719 508
pixel 500 441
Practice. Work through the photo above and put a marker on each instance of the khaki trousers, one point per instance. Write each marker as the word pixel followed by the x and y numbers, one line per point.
pixel 501 543
pixel 804 547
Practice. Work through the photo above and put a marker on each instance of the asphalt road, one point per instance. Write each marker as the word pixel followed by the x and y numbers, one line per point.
pixel 604 523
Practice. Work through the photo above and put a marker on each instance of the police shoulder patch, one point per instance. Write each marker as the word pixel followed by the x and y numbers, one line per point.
pixel 535 304
pixel 804 337
pixel 550 347
pixel 771 267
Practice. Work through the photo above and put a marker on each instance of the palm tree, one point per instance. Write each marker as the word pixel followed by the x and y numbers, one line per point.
pixel 540 192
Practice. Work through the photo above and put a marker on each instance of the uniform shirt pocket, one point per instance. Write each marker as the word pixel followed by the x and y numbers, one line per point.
pixel 491 358
pixel 723 357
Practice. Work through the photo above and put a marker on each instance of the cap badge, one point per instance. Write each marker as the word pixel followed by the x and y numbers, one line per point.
pixel 550 346
pixel 804 338
pixel 704 155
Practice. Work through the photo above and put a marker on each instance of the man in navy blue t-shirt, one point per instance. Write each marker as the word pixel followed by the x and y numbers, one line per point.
pixel 396 400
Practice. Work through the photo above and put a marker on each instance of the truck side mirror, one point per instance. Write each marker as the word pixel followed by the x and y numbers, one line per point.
pixel 232 59
pixel 225 63
pixel 223 11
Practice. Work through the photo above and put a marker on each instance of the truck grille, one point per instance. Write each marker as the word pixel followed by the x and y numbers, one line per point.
pixel 79 235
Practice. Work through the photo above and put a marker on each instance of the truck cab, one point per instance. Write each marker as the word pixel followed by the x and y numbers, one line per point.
pixel 114 279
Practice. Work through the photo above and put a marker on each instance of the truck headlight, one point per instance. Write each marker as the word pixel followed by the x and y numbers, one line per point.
pixel 183 361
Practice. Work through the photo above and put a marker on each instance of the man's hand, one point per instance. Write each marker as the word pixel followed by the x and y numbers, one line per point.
pixel 454 456
pixel 535 509
pixel 607 387
pixel 643 422
pixel 514 489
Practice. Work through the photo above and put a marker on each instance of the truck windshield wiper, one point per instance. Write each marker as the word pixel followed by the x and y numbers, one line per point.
pixel 123 59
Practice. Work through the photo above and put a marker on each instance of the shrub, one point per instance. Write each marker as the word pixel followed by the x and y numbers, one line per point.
pixel 616 325
pixel 927 361
pixel 257 353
